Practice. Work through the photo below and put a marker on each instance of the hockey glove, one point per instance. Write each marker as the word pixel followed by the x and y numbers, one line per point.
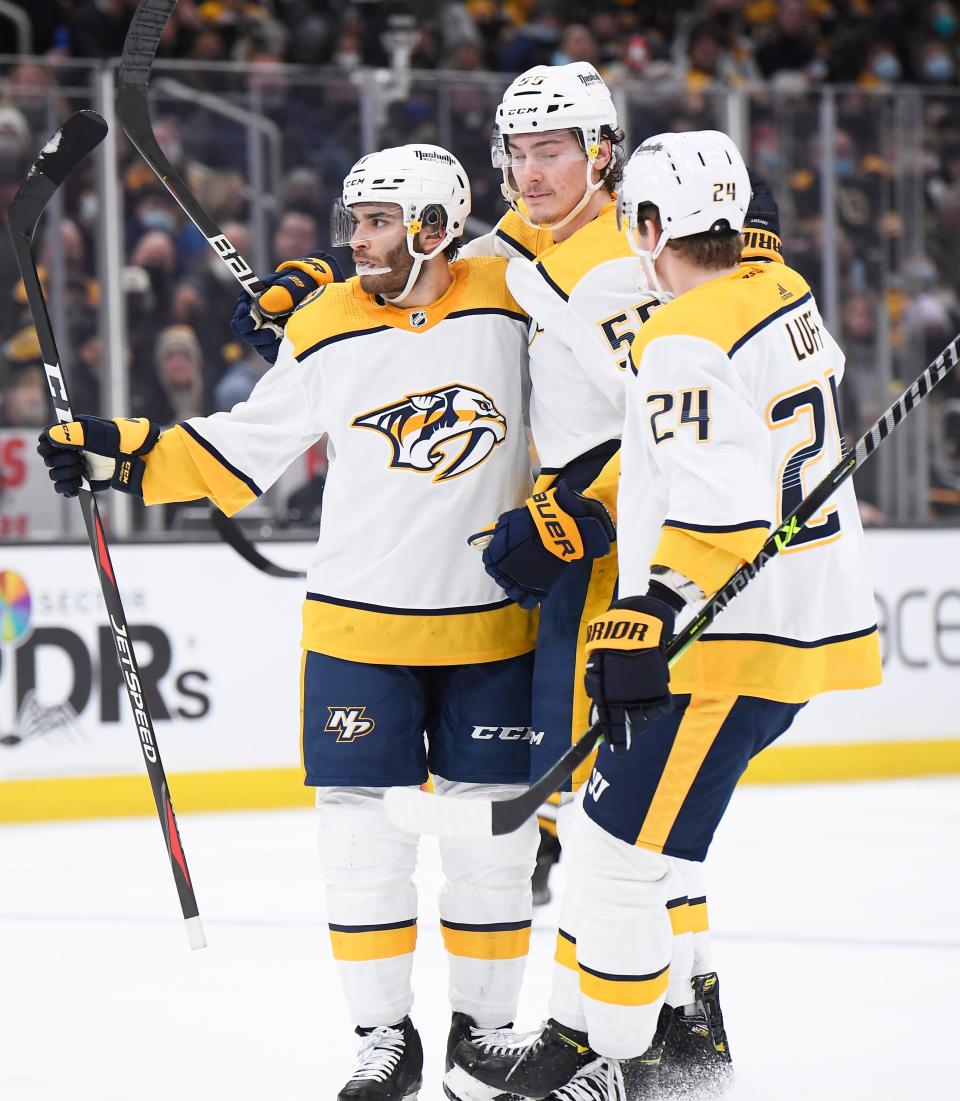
pixel 627 675
pixel 531 546
pixel 108 453
pixel 288 287
pixel 761 227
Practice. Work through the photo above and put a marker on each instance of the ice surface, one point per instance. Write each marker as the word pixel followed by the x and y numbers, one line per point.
pixel 835 910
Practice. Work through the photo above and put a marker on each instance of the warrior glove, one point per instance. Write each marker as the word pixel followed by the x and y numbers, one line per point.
pixel 627 675
pixel 529 547
pixel 260 323
pixel 761 227
pixel 109 454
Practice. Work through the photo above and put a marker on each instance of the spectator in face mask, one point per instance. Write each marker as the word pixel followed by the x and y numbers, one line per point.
pixel 943 20
pixel 883 66
pixel 936 64
pixel 149 281
pixel 153 209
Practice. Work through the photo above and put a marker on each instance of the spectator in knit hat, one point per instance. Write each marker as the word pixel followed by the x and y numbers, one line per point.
pixel 179 366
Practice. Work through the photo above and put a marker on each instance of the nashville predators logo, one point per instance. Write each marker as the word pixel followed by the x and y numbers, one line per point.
pixel 349 723
pixel 447 431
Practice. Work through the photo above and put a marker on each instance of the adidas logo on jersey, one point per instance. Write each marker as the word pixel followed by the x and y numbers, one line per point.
pixel 349 723
pixel 785 295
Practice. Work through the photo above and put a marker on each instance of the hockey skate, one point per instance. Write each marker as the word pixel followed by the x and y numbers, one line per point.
pixel 531 1065
pixel 605 1079
pixel 696 1056
pixel 612 1080
pixel 389 1065
pixel 458 1085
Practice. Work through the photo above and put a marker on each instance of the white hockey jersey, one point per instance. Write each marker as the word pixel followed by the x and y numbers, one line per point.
pixel 586 298
pixel 732 416
pixel 423 408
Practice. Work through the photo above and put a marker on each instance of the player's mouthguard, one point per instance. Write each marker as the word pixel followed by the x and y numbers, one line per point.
pixel 370 269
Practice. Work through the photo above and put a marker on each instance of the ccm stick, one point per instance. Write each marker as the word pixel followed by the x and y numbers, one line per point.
pixel 70 145
pixel 448 816
pixel 139 49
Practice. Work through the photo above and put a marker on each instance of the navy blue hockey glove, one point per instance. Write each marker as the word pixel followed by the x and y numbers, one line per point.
pixel 627 675
pixel 529 547
pixel 761 227
pixel 287 288
pixel 108 453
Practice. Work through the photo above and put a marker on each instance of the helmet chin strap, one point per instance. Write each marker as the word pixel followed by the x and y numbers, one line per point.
pixel 648 257
pixel 418 259
pixel 513 196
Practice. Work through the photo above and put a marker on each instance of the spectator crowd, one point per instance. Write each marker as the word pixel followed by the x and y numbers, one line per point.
pixel 302 66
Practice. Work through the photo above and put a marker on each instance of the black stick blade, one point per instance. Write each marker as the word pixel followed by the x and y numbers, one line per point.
pixel 140 46
pixel 68 147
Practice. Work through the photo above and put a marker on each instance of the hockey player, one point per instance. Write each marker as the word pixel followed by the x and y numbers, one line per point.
pixel 415 369
pixel 557 143
pixel 731 410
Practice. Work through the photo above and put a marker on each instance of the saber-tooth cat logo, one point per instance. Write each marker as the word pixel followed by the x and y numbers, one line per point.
pixel 445 432
pixel 349 723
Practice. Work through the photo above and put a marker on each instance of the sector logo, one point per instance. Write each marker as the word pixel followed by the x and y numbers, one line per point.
pixel 445 432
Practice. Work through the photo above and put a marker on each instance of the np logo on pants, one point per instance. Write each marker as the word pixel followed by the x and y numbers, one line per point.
pixel 349 723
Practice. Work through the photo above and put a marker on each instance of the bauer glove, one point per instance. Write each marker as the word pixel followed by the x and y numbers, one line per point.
pixel 761 227
pixel 529 547
pixel 109 454
pixel 627 675
pixel 257 323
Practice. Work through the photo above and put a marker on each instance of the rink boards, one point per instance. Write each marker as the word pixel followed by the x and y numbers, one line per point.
pixel 217 647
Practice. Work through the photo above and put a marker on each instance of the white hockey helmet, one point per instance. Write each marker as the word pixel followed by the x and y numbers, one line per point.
pixel 550 98
pixel 697 181
pixel 427 183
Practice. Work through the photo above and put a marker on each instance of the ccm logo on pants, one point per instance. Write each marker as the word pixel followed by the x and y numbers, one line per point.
pixel 501 733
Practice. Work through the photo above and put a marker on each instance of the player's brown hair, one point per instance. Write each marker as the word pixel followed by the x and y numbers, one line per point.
pixel 612 175
pixel 717 249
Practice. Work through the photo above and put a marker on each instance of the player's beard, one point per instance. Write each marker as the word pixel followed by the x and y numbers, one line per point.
pixel 391 283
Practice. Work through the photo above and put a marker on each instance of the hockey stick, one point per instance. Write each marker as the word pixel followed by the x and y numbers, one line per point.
pixel 70 145
pixel 139 49
pixel 231 533
pixel 448 816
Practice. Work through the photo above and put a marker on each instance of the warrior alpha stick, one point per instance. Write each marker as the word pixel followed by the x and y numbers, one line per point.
pixel 449 816
pixel 139 49
pixel 71 144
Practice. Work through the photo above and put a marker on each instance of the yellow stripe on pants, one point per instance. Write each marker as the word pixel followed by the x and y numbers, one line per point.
pixel 698 729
